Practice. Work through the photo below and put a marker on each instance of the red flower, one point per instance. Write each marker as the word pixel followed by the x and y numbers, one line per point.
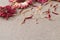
pixel 7 11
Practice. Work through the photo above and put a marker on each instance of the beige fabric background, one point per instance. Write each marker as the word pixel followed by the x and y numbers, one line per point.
pixel 46 30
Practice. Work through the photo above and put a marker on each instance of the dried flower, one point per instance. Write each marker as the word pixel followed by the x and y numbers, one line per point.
pixel 7 11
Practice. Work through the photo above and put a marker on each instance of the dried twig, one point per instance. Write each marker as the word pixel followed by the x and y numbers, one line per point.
pixel 55 13
pixel 30 17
